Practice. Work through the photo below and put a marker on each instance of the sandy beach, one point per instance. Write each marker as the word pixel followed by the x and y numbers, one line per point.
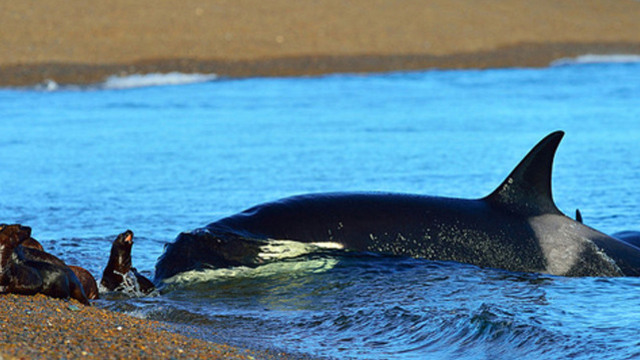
pixel 81 42
pixel 38 327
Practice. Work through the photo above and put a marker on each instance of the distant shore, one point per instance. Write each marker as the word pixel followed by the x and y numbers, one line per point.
pixel 79 42
pixel 524 55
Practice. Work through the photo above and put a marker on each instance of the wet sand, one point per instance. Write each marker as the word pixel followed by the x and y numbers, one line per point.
pixel 83 42
pixel 38 327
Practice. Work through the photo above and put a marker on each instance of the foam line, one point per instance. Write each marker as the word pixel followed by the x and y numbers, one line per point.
pixel 156 79
pixel 597 59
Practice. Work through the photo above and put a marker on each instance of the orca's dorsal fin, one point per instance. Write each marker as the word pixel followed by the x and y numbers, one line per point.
pixel 527 190
pixel 579 216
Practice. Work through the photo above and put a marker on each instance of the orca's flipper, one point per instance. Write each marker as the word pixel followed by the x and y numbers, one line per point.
pixel 527 190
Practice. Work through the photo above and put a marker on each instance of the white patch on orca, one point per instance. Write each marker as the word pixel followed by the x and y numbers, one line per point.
pixel 277 268
pixel 558 241
pixel 328 245
pixel 287 249
pixel 563 242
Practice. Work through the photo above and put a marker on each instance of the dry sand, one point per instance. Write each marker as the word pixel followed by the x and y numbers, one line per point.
pixel 78 41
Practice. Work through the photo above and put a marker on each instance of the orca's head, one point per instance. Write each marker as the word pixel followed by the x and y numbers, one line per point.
pixel 202 249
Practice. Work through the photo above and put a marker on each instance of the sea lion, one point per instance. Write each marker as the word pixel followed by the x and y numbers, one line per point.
pixel 21 275
pixel 517 227
pixel 118 275
pixel 33 250
pixel 87 280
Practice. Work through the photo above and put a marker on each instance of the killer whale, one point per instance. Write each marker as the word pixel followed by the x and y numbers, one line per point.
pixel 631 237
pixel 517 227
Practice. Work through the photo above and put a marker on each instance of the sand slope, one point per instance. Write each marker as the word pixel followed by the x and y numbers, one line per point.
pixel 79 41
pixel 38 327
pixel 118 31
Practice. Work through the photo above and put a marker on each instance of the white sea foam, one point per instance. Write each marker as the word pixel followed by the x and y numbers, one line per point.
pixel 156 79
pixel 598 59
pixel 49 85
pixel 129 287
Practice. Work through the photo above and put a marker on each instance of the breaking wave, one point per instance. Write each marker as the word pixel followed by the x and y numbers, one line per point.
pixel 157 79
pixel 598 59
pixel 117 82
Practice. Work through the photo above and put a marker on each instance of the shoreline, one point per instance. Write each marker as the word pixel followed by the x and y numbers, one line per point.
pixel 42 327
pixel 251 38
pixel 528 55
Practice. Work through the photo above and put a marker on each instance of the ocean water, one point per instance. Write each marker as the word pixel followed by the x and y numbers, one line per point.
pixel 165 154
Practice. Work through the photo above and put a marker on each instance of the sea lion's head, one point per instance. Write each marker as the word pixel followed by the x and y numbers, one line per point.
pixel 119 275
pixel 10 237
pixel 29 242
pixel 13 235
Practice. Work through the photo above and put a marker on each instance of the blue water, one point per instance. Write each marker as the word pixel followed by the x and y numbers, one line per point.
pixel 80 165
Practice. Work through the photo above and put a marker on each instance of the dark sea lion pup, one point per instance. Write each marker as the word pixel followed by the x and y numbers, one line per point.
pixel 118 275
pixel 21 275
pixel 34 251
pixel 89 283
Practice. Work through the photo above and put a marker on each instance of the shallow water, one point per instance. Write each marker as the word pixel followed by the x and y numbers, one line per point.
pixel 80 165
